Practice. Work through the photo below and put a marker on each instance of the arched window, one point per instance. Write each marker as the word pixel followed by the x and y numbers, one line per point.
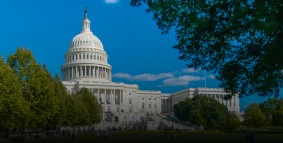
pixel 76 57
pixel 87 56
pixel 84 56
pixel 93 57
pixel 80 56
pixel 90 56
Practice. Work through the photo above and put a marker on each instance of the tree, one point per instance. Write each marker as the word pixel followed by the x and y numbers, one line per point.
pixel 37 88
pixel 233 121
pixel 58 118
pixel 238 39
pixel 277 116
pixel 91 104
pixel 269 108
pixel 23 63
pixel 13 107
pixel 202 111
pixel 254 118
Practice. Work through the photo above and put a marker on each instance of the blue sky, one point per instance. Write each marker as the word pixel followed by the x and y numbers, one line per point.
pixel 137 51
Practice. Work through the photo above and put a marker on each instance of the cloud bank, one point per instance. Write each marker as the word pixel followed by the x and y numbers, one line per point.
pixel 181 80
pixel 144 77
pixel 111 1
pixel 190 70
pixel 211 76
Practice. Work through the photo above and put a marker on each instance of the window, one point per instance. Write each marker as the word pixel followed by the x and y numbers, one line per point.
pixel 130 109
pixel 149 98
pixel 130 101
pixel 90 56
pixel 93 92
pixel 87 71
pixel 93 57
pixel 129 93
pixel 117 109
pixel 99 92
pixel 155 106
pixel 142 98
pixel 73 57
pixel 149 105
pixel 80 57
pixel 106 92
pixel 108 109
pixel 154 98
pixel 69 91
pixel 76 57
pixel 143 105
pixel 84 56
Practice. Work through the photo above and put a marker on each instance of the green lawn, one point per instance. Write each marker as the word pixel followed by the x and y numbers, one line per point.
pixel 268 128
pixel 157 137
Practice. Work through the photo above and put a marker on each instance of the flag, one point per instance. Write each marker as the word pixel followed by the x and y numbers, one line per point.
pixel 102 71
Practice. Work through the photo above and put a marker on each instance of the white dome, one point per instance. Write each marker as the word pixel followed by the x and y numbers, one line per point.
pixel 86 40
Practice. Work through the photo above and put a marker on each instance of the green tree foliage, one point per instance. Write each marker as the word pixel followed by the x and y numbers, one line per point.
pixel 277 117
pixel 13 107
pixel 207 31
pixel 233 121
pixel 58 118
pixel 81 112
pixel 269 107
pixel 91 104
pixel 254 118
pixel 202 111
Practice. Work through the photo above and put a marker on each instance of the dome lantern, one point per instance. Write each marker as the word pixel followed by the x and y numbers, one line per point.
pixel 85 24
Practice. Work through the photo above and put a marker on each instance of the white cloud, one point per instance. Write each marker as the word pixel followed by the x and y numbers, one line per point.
pixel 211 76
pixel 181 80
pixel 144 77
pixel 190 70
pixel 111 1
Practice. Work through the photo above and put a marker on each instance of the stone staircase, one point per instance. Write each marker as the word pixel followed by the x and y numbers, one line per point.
pixel 173 122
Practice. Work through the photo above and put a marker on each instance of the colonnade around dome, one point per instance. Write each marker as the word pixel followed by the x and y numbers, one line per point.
pixel 86 71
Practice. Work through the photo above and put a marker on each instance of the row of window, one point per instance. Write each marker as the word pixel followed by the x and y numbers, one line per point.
pixel 149 98
pixel 81 43
pixel 115 93
pixel 149 105
pixel 85 57
pixel 118 109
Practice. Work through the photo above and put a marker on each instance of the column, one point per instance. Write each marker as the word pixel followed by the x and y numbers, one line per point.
pixel 146 103
pixel 120 96
pixel 93 71
pixel 72 72
pixel 96 72
pixel 111 96
pixel 85 71
pixel 81 69
pixel 76 72
pixel 165 105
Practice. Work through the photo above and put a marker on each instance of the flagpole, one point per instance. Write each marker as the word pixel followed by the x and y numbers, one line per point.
pixel 204 79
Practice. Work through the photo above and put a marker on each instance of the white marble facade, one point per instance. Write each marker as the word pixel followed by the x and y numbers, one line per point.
pixel 86 66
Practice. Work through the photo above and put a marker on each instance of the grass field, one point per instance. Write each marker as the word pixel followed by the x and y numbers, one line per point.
pixel 203 137
pixel 268 128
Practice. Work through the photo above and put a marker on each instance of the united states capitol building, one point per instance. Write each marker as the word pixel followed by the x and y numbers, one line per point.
pixel 124 105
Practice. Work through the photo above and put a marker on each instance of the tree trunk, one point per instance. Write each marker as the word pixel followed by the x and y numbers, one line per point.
pixel 43 128
pixel 24 130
